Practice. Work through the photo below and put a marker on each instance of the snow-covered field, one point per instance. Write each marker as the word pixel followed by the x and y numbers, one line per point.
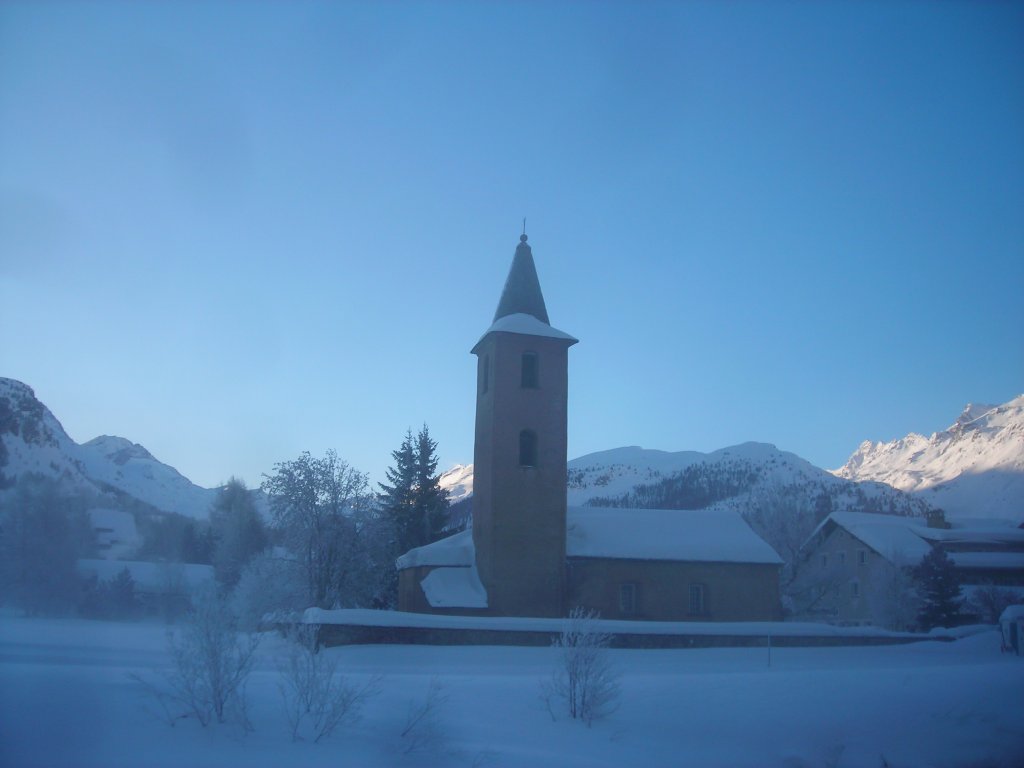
pixel 66 699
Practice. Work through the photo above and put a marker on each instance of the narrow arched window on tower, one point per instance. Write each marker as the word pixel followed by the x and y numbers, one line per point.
pixel 527 448
pixel 530 374
pixel 485 374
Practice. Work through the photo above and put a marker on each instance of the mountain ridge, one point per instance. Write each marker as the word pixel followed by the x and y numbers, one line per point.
pixel 32 439
pixel 973 468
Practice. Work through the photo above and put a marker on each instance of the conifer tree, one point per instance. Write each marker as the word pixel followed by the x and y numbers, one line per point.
pixel 431 500
pixel 397 495
pixel 939 589
pixel 237 531
pixel 412 498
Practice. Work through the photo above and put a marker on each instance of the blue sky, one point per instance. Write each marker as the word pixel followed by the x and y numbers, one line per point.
pixel 236 232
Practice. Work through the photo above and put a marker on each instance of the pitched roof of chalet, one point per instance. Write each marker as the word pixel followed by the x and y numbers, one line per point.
pixel 630 534
pixel 894 537
pixel 522 292
pixel 908 539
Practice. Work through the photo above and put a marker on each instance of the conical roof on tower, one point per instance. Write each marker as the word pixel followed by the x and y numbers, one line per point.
pixel 522 294
pixel 521 308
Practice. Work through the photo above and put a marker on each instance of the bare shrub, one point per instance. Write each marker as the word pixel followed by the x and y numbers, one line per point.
pixel 316 698
pixel 422 728
pixel 989 601
pixel 584 683
pixel 211 662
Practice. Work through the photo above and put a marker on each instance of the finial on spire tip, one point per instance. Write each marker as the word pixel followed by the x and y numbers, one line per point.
pixel 522 238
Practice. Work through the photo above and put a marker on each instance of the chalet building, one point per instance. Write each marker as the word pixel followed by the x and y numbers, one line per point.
pixel 526 553
pixel 855 559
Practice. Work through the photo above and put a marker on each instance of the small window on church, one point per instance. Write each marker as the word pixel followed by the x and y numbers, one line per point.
pixel 527 448
pixel 530 377
pixel 698 600
pixel 485 375
pixel 627 599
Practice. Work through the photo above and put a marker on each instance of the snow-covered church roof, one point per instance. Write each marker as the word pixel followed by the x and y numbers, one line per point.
pixel 701 535
pixel 718 536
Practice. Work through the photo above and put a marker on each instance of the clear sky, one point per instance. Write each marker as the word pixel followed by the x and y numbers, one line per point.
pixel 233 232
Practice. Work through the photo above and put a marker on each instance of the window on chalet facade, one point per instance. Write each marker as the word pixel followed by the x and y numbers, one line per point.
pixel 530 375
pixel 527 448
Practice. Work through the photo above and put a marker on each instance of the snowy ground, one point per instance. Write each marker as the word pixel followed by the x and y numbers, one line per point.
pixel 66 699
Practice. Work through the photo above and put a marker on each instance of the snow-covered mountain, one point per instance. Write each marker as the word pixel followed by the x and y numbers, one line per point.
pixel 458 481
pixel 975 468
pixel 33 440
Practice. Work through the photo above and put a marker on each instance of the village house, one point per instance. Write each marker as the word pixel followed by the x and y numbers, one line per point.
pixel 858 563
pixel 526 553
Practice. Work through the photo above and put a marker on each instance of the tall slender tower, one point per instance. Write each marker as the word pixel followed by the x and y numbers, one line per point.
pixel 519 462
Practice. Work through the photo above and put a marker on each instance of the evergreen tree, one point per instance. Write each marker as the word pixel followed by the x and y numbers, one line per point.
pixel 431 500
pixel 939 589
pixel 238 531
pixel 397 495
pixel 43 531
pixel 412 498
pixel 121 594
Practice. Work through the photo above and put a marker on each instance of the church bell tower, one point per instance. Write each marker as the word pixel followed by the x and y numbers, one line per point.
pixel 519 461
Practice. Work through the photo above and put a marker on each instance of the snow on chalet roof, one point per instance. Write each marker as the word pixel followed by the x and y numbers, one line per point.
pixel 894 537
pixel 526 325
pixel 702 535
pixel 899 538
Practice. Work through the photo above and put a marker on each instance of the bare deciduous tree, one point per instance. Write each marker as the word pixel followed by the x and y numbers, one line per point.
pixel 324 511
pixel 422 728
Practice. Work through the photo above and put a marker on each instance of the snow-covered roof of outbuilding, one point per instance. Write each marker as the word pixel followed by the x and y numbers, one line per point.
pixel 702 535
pixel 456 550
pixel 894 537
pixel 454 588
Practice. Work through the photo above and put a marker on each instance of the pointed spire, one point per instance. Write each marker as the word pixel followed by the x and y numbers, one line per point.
pixel 522 288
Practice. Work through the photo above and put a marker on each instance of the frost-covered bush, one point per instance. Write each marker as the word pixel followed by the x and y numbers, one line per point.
pixel 269 585
pixel 317 699
pixel 584 684
pixel 210 662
